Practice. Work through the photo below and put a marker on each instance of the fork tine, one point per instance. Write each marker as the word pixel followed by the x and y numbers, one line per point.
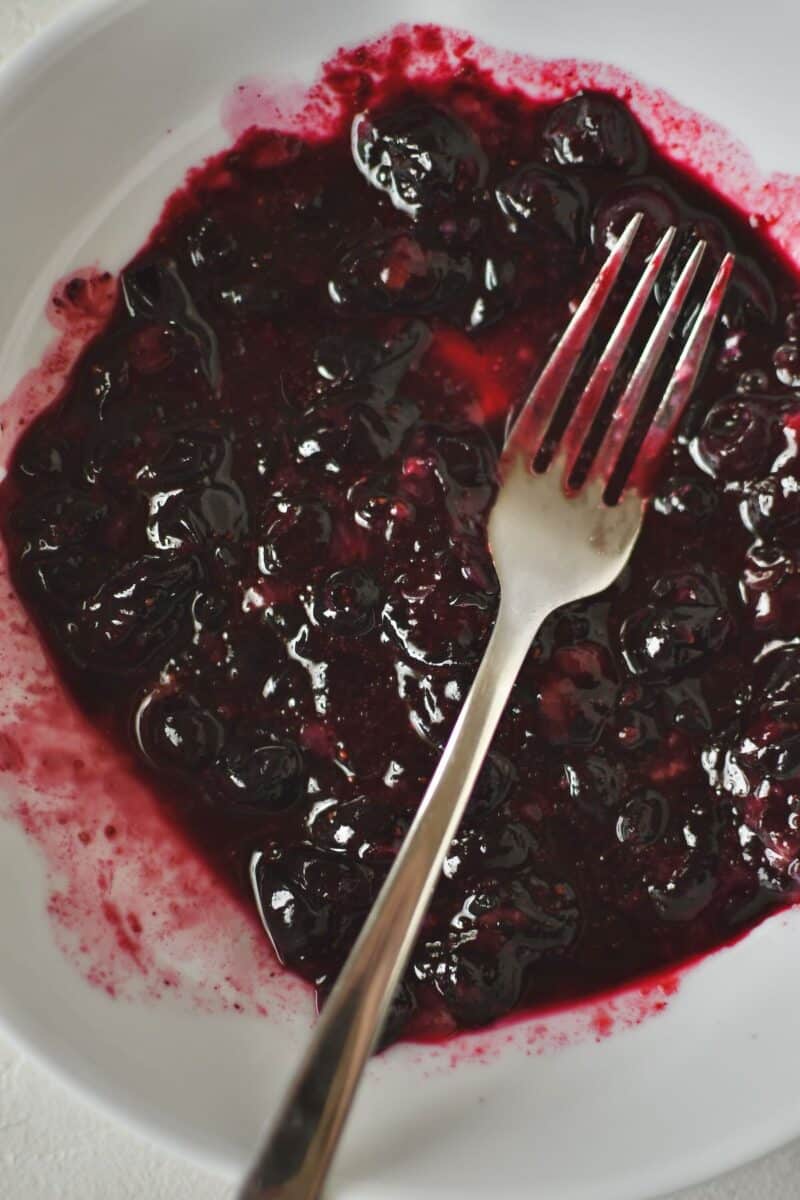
pixel 532 424
pixel 596 389
pixel 625 413
pixel 681 385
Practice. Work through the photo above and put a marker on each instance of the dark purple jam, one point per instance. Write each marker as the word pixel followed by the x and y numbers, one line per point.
pixel 252 532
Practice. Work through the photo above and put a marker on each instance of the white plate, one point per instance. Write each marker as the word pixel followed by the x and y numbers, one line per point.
pixel 87 159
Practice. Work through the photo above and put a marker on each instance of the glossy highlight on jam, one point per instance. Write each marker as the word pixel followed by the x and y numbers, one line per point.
pixel 252 534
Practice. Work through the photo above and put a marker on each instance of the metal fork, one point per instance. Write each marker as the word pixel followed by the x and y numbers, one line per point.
pixel 553 541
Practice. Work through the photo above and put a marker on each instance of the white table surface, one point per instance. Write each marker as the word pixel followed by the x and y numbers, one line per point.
pixel 53 1146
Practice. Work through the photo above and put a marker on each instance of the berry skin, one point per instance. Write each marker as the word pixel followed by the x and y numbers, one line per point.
pixel 594 130
pixel 421 157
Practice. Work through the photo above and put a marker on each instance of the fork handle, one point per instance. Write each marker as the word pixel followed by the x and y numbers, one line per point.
pixel 294 1160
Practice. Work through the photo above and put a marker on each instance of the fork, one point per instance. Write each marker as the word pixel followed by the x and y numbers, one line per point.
pixel 553 539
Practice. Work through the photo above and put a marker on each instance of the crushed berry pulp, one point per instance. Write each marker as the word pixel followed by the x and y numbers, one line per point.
pixel 252 534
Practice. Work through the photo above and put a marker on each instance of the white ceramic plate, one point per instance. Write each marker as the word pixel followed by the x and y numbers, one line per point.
pixel 98 121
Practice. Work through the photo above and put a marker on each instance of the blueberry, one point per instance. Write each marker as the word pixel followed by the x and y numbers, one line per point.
pixel 327 444
pixel 595 784
pixel 364 431
pixel 175 732
pixel 255 659
pixel 365 828
pixel 767 565
pixel 210 246
pixel 753 381
pixel 686 620
pixel 771 587
pixel 738 439
pixel 345 359
pixel 683 705
pixel 688 891
pixel 770 744
pixel 778 829
pixel 542 205
pixel 762 773
pixel 260 296
pixel 510 846
pixel 643 820
pixel 581 621
pixel 552 913
pixel 698 226
pixel 381 510
pixel 432 697
pixel 313 905
pixel 197 516
pixel 396 273
pixel 41 454
pixel 659 209
pixel 153 290
pixel 702 226
pixel 347 601
pixel 262 773
pixel 465 455
pixel 494 846
pixel 137 613
pixel 778 675
pixel 478 986
pixel 594 130
pixel 382 438
pixel 144 289
pixel 540 915
pixel 497 779
pixel 152 348
pixel 769 506
pixel 377 367
pixel 113 456
pixel 421 156
pixel 786 361
pixel 433 619
pixel 503 926
pixel 209 610
pixel 493 296
pixel 751 301
pixel 68 577
pixel 296 537
pixel 686 498
pixel 53 520
pixel 463 460
pixel 183 455
pixel 681 868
